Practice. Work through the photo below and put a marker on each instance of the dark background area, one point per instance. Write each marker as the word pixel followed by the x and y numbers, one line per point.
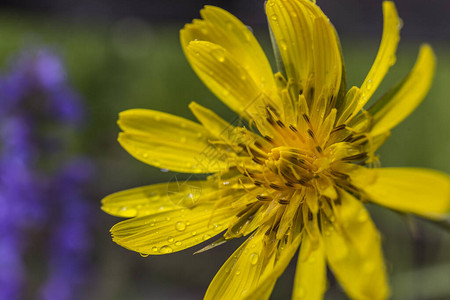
pixel 354 17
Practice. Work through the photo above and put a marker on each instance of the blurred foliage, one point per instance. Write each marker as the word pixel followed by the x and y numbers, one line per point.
pixel 131 64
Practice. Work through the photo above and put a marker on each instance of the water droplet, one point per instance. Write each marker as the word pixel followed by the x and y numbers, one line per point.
pixel 144 254
pixel 369 84
pixel 170 239
pixel 274 17
pixel 271 3
pixel 145 155
pixel 283 45
pixel 167 218
pixel 178 243
pixel 254 258
pixel 165 249
pixel 180 226
pixel 368 267
pixel 217 227
pixel 362 216
pixel 194 233
pixel 219 55
pixel 392 60
pixel 206 236
pixel 238 272
pixel 152 224
pixel 155 249
pixel 301 292
pixel 293 14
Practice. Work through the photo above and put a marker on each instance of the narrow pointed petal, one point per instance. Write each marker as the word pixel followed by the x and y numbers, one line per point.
pixel 166 141
pixel 251 272
pixel 172 231
pixel 311 274
pixel 419 191
pixel 222 28
pixel 404 98
pixel 161 197
pixel 354 252
pixel 385 57
pixel 297 34
pixel 229 80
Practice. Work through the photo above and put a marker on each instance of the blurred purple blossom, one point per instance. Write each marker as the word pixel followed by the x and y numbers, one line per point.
pixel 34 199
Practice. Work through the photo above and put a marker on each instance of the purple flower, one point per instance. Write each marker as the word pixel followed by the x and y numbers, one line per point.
pixel 49 201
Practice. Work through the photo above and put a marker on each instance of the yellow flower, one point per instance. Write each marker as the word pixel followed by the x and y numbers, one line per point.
pixel 294 178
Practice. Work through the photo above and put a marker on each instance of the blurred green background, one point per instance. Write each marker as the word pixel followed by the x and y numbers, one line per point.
pixel 134 63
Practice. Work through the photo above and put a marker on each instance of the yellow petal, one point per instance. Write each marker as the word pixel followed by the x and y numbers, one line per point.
pixel 353 251
pixel 419 191
pixel 211 121
pixel 327 69
pixel 222 28
pixel 229 80
pixel 403 99
pixel 311 274
pixel 157 198
pixel 166 141
pixel 171 231
pixel 307 43
pixel 385 57
pixel 251 272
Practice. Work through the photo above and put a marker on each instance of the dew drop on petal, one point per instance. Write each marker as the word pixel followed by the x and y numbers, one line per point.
pixel 144 254
pixel 368 267
pixel 180 226
pixel 369 84
pixel 178 243
pixel 301 292
pixel 194 233
pixel 165 249
pixel 206 236
pixel 254 258
pixel 238 272
pixel 170 239
pixel 362 216
pixel 155 249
